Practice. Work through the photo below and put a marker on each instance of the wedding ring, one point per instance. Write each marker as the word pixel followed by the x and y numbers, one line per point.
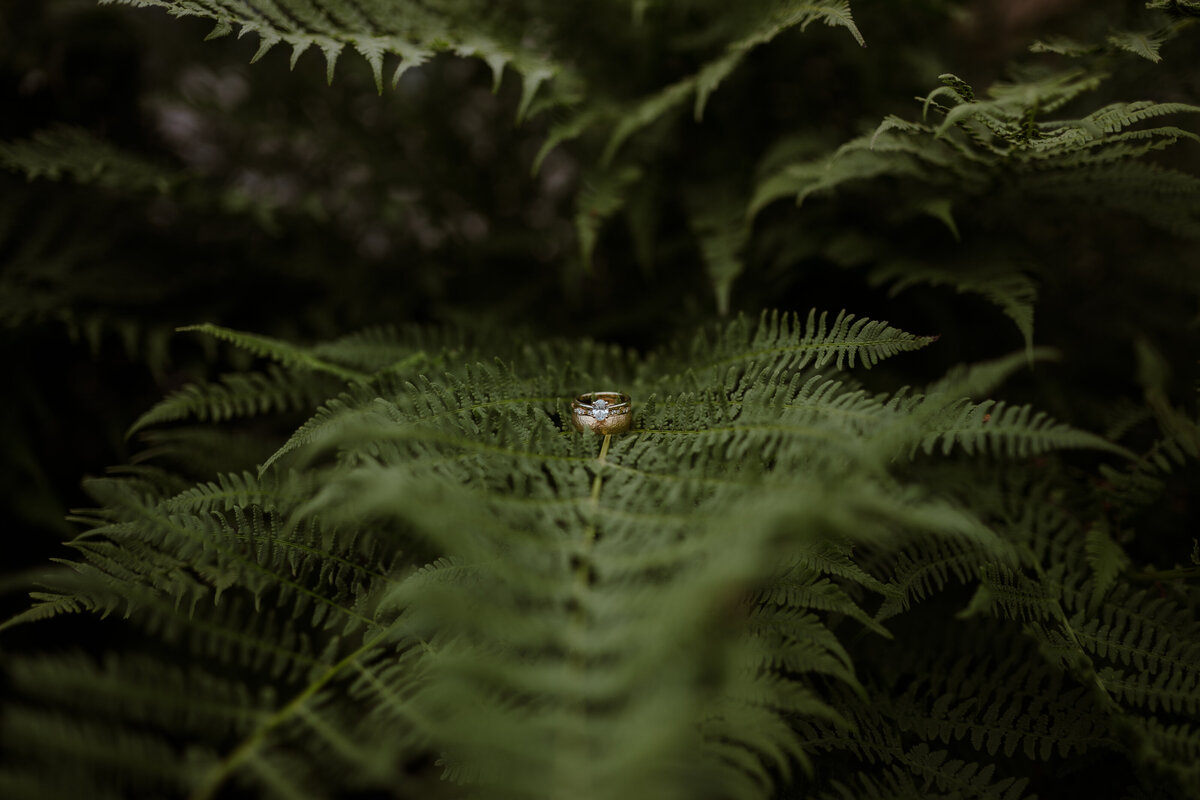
pixel 602 412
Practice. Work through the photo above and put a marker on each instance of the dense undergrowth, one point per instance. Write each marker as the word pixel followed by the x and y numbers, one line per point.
pixel 905 295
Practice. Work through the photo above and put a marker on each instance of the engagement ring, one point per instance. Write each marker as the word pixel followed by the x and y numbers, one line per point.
pixel 602 412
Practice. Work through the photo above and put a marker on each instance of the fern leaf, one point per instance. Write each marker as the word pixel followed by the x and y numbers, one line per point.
pixel 288 355
pixel 413 31
pixel 234 490
pixel 386 349
pixel 1141 43
pixel 1106 559
pixel 142 688
pixel 1171 692
pixel 723 233
pixel 1015 293
pixel 1145 631
pixel 925 567
pixel 962 778
pixel 1007 717
pixel 601 197
pixel 705 81
pixel 1013 431
pixel 237 395
pixel 782 342
pixel 55 153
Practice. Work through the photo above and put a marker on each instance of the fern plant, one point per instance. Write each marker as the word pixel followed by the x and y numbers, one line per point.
pixel 435 570
pixel 831 558
pixel 434 573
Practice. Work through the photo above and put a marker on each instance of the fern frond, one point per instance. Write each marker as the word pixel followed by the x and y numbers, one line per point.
pixel 604 193
pixel 796 589
pixel 722 232
pixel 960 778
pixel 1004 710
pixel 283 353
pixel 782 342
pixel 1010 593
pixel 1014 292
pixel 1146 631
pixel 1000 429
pixel 413 31
pixel 1106 558
pixel 776 20
pixel 239 394
pixel 63 152
pixel 271 492
pixel 1171 692
pixel 141 688
pixel 387 349
pixel 917 571
pixel 80 752
pixel 200 452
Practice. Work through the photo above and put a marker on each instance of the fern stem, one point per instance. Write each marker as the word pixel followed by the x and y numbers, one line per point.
pixel 598 481
pixel 583 569
pixel 574 664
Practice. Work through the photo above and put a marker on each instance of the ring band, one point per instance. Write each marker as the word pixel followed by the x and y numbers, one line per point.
pixel 602 412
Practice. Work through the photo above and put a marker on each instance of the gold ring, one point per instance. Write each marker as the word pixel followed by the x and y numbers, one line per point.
pixel 602 412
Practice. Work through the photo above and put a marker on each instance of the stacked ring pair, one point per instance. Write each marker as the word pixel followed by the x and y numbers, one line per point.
pixel 603 413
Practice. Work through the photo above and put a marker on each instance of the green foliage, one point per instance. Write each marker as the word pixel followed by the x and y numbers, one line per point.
pixel 832 558
pixel 64 152
pixel 469 575
pixel 412 31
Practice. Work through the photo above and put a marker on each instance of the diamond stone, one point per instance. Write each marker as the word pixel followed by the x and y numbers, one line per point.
pixel 600 410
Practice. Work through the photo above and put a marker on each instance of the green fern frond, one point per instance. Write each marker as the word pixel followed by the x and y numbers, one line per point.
pixel 238 395
pixel 389 565
pixel 1014 292
pixel 805 590
pixel 604 193
pixel 386 349
pixel 271 492
pixel 283 353
pixel 985 150
pixel 1144 43
pixel 1179 741
pixel 79 752
pixel 782 341
pixel 1010 593
pixel 142 688
pixel 722 232
pixel 1000 429
pixel 776 19
pixel 1141 484
pixel 917 571
pixel 62 152
pixel 1106 559
pixel 1180 7
pixel 1004 710
pixel 200 452
pixel 1172 692
pixel 960 778
pixel 925 772
pixel 413 31
pixel 1145 631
